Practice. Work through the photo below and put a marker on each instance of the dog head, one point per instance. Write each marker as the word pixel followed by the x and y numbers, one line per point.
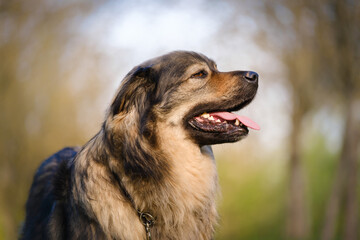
pixel 185 90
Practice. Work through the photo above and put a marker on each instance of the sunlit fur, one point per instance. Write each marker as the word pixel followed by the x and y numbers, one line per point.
pixel 144 149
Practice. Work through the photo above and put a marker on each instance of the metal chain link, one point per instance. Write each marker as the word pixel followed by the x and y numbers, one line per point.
pixel 148 221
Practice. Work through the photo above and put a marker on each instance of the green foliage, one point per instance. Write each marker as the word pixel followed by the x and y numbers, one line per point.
pixel 320 167
pixel 253 203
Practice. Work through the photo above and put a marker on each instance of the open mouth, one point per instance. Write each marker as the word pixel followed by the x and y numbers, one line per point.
pixel 223 122
pixel 211 123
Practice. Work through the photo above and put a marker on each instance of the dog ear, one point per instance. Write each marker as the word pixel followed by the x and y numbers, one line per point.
pixel 136 91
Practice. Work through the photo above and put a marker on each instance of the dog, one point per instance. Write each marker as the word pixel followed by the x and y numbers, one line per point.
pixel 149 173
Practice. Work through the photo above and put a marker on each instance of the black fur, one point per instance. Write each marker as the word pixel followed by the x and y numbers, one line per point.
pixel 44 192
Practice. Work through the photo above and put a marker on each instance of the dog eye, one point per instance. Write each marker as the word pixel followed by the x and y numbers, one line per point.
pixel 201 74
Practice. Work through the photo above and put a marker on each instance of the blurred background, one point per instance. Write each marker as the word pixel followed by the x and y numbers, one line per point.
pixel 297 178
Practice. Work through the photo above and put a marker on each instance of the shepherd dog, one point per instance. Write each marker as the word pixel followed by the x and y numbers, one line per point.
pixel 149 173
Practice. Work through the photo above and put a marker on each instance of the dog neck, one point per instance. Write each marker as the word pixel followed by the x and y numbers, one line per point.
pixel 182 200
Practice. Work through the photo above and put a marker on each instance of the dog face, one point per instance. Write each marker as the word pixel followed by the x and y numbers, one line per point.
pixel 185 90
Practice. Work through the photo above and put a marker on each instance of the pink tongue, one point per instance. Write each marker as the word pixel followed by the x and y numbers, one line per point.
pixel 231 116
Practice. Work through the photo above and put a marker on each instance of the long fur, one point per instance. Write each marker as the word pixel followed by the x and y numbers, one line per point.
pixel 143 159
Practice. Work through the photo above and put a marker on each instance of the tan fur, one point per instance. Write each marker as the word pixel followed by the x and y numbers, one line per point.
pixel 184 206
pixel 114 212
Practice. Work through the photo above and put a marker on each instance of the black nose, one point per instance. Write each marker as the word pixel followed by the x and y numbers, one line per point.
pixel 251 77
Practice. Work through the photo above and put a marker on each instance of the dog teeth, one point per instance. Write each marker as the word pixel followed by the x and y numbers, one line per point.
pixel 205 115
pixel 237 122
pixel 211 118
pixel 218 121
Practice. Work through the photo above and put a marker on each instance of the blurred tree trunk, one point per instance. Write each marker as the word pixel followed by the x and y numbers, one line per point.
pixel 297 211
pixel 298 62
pixel 345 185
pixel 349 156
pixel 344 192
